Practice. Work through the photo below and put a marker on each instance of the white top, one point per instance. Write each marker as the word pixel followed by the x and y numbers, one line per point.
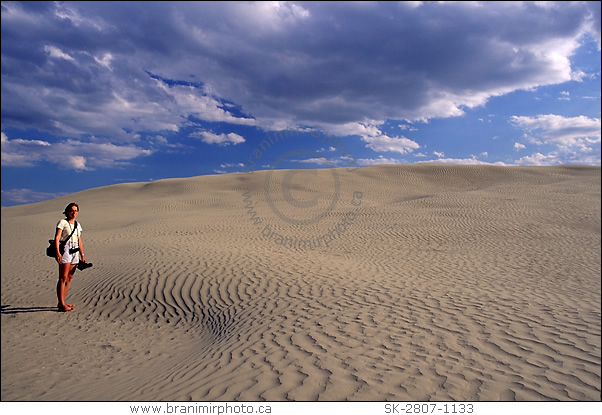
pixel 67 228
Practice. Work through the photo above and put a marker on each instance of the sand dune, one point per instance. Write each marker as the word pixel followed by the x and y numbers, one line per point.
pixel 417 282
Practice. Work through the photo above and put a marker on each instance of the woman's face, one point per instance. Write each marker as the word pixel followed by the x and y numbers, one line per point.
pixel 73 212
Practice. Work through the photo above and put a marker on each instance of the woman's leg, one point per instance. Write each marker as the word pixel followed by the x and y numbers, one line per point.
pixel 65 275
pixel 68 282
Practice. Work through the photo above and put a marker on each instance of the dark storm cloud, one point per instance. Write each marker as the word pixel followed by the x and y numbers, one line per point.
pixel 114 69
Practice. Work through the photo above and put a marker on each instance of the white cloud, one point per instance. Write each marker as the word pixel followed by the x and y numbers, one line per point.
pixel 384 143
pixel 70 154
pixel 376 140
pixel 568 134
pixel 21 153
pixel 55 52
pixel 76 162
pixel 192 100
pixel 104 60
pixel 556 158
pixel 470 161
pixel 594 26
pixel 268 17
pixel 407 127
pixel 70 15
pixel 227 165
pixel 20 196
pixel 377 161
pixel 323 161
pixel 538 159
pixel 348 161
pixel 220 139
pixel 519 146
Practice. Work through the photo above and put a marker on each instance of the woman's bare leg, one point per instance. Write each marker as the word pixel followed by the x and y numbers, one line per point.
pixel 65 275
pixel 68 283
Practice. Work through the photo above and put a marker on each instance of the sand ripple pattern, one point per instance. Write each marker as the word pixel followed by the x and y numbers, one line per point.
pixel 453 283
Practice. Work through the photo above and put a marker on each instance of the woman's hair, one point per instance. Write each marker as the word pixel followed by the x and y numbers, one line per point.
pixel 69 207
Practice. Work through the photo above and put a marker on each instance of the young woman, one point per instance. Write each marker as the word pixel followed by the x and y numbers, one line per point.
pixel 73 251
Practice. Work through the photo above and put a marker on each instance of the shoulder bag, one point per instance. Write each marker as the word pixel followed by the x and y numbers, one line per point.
pixel 51 250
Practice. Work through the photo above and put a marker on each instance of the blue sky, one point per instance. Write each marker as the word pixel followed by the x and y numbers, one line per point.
pixel 100 93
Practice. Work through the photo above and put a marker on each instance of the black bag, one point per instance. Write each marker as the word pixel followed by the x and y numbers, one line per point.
pixel 51 251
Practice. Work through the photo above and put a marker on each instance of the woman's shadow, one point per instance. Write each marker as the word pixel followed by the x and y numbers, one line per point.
pixel 8 309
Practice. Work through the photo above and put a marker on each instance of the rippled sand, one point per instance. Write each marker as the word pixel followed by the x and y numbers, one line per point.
pixel 436 282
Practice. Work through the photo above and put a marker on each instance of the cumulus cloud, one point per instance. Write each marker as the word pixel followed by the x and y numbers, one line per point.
pixel 539 159
pixel 383 143
pixel 563 140
pixel 566 133
pixel 374 138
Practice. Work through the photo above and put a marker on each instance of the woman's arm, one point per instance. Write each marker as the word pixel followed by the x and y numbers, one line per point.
pixel 81 248
pixel 57 240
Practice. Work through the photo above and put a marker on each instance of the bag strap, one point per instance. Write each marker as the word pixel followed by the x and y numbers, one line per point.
pixel 71 234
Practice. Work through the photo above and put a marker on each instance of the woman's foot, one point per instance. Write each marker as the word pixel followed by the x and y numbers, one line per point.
pixel 65 307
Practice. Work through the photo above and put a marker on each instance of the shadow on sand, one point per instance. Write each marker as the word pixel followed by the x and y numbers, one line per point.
pixel 8 309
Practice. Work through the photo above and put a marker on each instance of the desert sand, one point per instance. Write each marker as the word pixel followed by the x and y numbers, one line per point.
pixel 410 282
